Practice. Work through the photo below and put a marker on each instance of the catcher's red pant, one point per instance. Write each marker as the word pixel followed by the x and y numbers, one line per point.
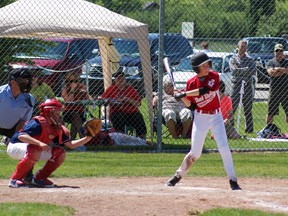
pixel 32 156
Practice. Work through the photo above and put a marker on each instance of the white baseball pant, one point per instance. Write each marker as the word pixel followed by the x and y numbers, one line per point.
pixel 201 124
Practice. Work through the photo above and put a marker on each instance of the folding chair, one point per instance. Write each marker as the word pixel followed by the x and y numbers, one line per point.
pixel 166 132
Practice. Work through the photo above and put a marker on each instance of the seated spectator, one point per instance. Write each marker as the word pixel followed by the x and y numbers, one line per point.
pixel 124 103
pixel 40 90
pixel 227 112
pixel 173 110
pixel 74 113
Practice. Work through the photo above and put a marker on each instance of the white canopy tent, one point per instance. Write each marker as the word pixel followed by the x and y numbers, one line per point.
pixel 78 19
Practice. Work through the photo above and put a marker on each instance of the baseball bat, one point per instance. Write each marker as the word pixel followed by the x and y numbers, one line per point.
pixel 168 69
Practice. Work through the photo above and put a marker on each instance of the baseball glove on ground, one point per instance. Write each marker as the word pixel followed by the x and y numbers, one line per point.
pixel 92 127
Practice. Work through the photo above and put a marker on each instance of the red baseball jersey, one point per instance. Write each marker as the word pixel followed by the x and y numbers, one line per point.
pixel 210 100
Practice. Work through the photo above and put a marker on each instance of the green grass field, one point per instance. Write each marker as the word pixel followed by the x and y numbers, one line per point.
pixel 119 164
pixel 116 162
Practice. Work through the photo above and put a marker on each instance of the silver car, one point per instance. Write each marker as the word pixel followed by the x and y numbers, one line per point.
pixel 220 63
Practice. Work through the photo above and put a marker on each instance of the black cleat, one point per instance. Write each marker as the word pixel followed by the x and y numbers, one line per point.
pixel 173 181
pixel 28 178
pixel 234 185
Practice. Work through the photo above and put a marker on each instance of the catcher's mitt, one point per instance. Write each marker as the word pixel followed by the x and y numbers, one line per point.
pixel 92 127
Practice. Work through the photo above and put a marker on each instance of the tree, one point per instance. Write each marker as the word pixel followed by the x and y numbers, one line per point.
pixel 259 8
pixel 6 2
pixel 276 24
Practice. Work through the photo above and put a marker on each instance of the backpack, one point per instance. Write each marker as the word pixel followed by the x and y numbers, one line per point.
pixel 270 131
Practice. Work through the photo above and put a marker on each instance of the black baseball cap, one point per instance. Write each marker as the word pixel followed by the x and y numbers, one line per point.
pixel 119 73
pixel 23 73
pixel 199 58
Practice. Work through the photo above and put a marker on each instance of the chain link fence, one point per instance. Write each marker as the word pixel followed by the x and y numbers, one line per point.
pixel 71 68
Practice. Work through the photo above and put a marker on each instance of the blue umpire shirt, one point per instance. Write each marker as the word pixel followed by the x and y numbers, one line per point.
pixel 12 110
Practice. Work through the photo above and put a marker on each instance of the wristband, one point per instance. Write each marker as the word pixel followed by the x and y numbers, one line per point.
pixel 192 106
pixel 203 90
pixel 180 95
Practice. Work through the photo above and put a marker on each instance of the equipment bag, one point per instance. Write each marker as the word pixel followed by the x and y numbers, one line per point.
pixel 271 131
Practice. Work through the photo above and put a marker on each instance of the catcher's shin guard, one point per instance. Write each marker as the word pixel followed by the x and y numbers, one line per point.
pixel 23 167
pixel 27 163
pixel 58 157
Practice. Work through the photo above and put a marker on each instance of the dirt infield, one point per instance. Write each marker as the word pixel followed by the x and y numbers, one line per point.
pixel 148 196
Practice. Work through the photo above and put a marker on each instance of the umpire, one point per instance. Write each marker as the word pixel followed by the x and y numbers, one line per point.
pixel 278 93
pixel 16 104
pixel 243 67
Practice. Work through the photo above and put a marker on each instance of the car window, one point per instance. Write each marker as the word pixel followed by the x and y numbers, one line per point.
pixel 217 64
pixel 226 64
pixel 254 47
pixel 45 50
pixel 184 65
pixel 264 45
pixel 87 46
pixel 127 47
pixel 75 51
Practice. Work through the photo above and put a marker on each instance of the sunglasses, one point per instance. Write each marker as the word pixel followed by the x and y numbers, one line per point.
pixel 278 50
pixel 72 81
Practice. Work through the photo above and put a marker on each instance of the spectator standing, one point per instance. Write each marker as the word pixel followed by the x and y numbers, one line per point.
pixel 40 90
pixel 243 68
pixel 41 138
pixel 205 47
pixel 278 92
pixel 16 103
pixel 124 103
pixel 202 91
pixel 174 110
pixel 74 113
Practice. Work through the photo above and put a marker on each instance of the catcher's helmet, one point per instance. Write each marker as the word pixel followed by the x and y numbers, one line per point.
pixel 48 108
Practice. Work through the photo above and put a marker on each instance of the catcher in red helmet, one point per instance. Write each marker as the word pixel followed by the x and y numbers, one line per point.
pixel 41 138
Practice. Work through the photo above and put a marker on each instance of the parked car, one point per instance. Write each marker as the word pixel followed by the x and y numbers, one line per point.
pixel 176 47
pixel 56 56
pixel 262 50
pixel 220 63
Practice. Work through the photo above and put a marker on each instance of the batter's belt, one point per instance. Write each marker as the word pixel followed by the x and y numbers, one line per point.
pixel 211 112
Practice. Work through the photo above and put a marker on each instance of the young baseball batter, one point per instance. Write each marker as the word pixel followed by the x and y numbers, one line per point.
pixel 203 93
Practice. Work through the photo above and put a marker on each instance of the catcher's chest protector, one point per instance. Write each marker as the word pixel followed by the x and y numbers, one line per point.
pixel 48 132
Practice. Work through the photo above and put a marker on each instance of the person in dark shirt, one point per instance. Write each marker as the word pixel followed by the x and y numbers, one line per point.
pixel 277 68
